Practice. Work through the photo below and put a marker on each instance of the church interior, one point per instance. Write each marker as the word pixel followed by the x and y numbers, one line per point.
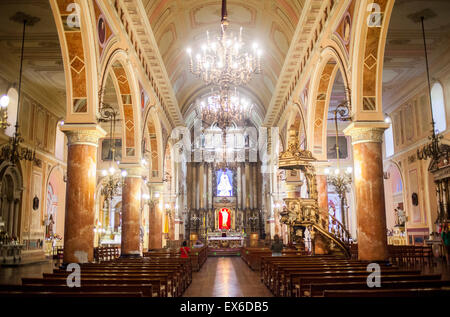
pixel 259 148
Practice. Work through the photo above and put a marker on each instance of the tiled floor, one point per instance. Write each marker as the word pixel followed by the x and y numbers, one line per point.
pixel 226 277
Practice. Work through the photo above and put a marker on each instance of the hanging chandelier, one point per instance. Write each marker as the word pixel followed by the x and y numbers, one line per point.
pixel 225 107
pixel 341 181
pixel 13 152
pixel 433 150
pixel 225 62
pixel 113 181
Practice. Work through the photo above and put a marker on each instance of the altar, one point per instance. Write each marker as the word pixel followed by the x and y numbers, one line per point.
pixel 221 243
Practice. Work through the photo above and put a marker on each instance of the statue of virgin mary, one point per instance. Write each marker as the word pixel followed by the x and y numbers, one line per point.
pixel 224 188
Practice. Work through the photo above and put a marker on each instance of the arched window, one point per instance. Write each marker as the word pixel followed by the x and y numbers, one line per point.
pixel 12 111
pixel 59 143
pixel 389 141
pixel 438 106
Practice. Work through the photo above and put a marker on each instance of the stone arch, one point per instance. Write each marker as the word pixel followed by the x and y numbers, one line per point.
pixel 11 187
pixel 152 148
pixel 393 179
pixel 126 87
pixel 55 183
pixel 296 121
pixel 367 59
pixel 331 62
pixel 73 23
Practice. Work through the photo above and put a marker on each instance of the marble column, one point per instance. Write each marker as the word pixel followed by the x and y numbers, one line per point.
pixel 131 213
pixel 322 189
pixel 238 187
pixel 320 244
pixel 367 138
pixel 155 221
pixel 80 191
pixel 201 190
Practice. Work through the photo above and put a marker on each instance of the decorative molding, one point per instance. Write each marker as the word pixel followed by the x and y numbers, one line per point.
pixel 83 134
pixel 366 132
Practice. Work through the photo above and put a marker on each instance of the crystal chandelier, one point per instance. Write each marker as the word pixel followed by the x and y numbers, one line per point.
pixel 113 179
pixel 341 181
pixel 225 62
pixel 224 108
pixel 13 152
pixel 434 149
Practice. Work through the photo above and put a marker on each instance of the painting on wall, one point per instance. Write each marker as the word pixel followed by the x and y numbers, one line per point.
pixel 107 149
pixel 331 147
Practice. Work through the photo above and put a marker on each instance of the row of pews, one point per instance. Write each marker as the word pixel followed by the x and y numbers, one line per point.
pixel 197 256
pixel 331 276
pixel 154 276
pixel 252 256
pixel 404 254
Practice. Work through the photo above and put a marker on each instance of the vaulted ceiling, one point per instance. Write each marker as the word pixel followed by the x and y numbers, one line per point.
pixel 43 71
pixel 178 24
pixel 404 56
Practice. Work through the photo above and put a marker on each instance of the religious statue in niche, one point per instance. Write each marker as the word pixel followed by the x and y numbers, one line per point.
pixel 224 183
pixel 400 217
pixel 224 219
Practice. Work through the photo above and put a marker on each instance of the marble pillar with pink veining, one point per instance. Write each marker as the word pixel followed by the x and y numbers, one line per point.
pixel 131 205
pixel 80 191
pixel 155 227
pixel 369 189
pixel 322 189
pixel 371 215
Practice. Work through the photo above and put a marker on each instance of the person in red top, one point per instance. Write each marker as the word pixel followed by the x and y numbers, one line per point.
pixel 184 250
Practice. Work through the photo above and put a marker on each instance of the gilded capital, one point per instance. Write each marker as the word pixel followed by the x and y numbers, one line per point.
pixel 83 134
pixel 366 132
pixel 133 170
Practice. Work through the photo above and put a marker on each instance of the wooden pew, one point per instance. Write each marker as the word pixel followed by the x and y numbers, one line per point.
pixel 6 294
pixel 419 292
pixel 303 283
pixel 145 289
pixel 158 288
pixel 317 289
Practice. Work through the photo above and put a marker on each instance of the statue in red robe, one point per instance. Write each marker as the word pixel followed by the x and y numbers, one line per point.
pixel 224 219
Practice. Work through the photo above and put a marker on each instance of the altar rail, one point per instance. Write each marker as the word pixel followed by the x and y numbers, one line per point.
pixel 106 253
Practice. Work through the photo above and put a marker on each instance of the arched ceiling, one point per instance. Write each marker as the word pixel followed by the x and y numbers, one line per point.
pixel 43 72
pixel 178 24
pixel 404 60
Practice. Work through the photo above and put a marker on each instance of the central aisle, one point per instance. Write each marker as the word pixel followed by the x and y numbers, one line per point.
pixel 226 277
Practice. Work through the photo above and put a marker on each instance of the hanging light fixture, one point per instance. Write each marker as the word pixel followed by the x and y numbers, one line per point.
pixel 225 107
pixel 113 176
pixel 13 152
pixel 341 180
pixel 225 62
pixel 434 149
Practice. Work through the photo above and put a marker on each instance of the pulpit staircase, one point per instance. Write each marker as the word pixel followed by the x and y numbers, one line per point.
pixel 305 213
pixel 334 232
